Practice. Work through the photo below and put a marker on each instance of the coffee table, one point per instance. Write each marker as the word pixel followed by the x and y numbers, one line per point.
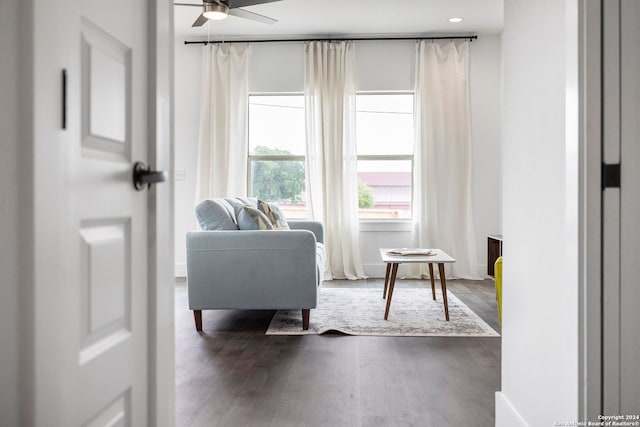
pixel 439 257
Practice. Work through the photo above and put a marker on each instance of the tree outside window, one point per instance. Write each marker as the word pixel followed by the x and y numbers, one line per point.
pixel 279 180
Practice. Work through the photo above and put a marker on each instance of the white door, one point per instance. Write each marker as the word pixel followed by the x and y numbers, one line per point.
pixel 91 314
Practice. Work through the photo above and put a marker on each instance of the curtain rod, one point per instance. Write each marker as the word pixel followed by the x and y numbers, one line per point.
pixel 206 42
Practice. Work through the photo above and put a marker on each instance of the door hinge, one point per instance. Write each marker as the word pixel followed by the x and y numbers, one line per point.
pixel 610 175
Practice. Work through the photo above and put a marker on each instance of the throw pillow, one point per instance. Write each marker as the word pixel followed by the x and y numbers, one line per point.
pixel 274 214
pixel 212 215
pixel 250 218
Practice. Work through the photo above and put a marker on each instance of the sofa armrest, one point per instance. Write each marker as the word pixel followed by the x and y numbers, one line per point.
pixel 275 269
pixel 250 239
pixel 306 224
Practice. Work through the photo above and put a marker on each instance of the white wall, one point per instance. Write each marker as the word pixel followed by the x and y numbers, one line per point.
pixel 380 66
pixel 486 131
pixel 186 119
pixel 540 292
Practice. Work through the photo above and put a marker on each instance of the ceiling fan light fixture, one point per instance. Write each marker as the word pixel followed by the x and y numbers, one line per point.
pixel 215 11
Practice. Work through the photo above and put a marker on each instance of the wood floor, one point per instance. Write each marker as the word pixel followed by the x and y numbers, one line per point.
pixel 235 375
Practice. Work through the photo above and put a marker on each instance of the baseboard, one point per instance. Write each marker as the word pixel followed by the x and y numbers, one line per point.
pixel 180 269
pixel 506 413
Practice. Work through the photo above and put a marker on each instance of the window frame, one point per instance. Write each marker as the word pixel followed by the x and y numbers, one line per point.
pixel 267 157
pixel 361 157
pixel 392 157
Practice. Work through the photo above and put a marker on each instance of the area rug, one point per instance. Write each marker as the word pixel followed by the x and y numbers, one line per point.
pixel 360 311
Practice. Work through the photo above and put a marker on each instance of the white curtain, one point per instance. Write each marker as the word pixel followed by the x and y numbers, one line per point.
pixel 332 190
pixel 222 140
pixel 442 209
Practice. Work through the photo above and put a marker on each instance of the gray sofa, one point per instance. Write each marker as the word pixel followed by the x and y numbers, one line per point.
pixel 229 267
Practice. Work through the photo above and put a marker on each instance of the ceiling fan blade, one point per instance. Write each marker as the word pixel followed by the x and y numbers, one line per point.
pixel 241 13
pixel 200 21
pixel 188 4
pixel 244 3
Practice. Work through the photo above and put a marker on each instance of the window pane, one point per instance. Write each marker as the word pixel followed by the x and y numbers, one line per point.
pixel 384 124
pixel 384 188
pixel 281 182
pixel 276 125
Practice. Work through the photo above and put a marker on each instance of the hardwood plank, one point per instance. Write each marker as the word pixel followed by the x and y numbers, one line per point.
pixel 234 375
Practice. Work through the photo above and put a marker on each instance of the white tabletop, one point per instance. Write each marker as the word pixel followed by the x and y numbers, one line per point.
pixel 439 257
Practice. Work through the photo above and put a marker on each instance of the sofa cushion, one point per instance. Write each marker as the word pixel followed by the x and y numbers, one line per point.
pixel 250 218
pixel 228 207
pixel 274 214
pixel 213 215
pixel 321 258
pixel 238 202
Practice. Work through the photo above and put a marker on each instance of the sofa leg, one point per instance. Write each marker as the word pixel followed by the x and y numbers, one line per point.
pixel 197 316
pixel 305 318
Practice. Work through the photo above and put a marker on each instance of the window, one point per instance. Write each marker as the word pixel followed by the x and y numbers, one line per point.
pixel 384 138
pixel 384 135
pixel 276 151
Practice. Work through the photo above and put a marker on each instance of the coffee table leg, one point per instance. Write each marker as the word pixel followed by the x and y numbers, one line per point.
pixel 433 284
pixel 386 281
pixel 392 283
pixel 443 284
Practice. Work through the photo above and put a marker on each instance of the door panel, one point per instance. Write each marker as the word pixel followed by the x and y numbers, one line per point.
pixel 93 370
pixel 106 284
pixel 116 414
pixel 106 93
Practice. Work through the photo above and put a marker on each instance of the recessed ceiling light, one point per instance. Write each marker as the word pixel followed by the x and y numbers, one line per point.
pixel 455 19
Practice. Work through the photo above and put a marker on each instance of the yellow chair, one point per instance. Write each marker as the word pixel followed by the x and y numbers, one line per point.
pixel 498 275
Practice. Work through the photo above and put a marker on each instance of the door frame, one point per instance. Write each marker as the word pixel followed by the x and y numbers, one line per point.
pixel 588 50
pixel 161 216
pixel 16 218
pixel 599 45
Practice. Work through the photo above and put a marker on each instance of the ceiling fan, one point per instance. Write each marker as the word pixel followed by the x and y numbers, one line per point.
pixel 220 9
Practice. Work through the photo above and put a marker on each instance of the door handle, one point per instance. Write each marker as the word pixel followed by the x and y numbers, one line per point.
pixel 142 176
